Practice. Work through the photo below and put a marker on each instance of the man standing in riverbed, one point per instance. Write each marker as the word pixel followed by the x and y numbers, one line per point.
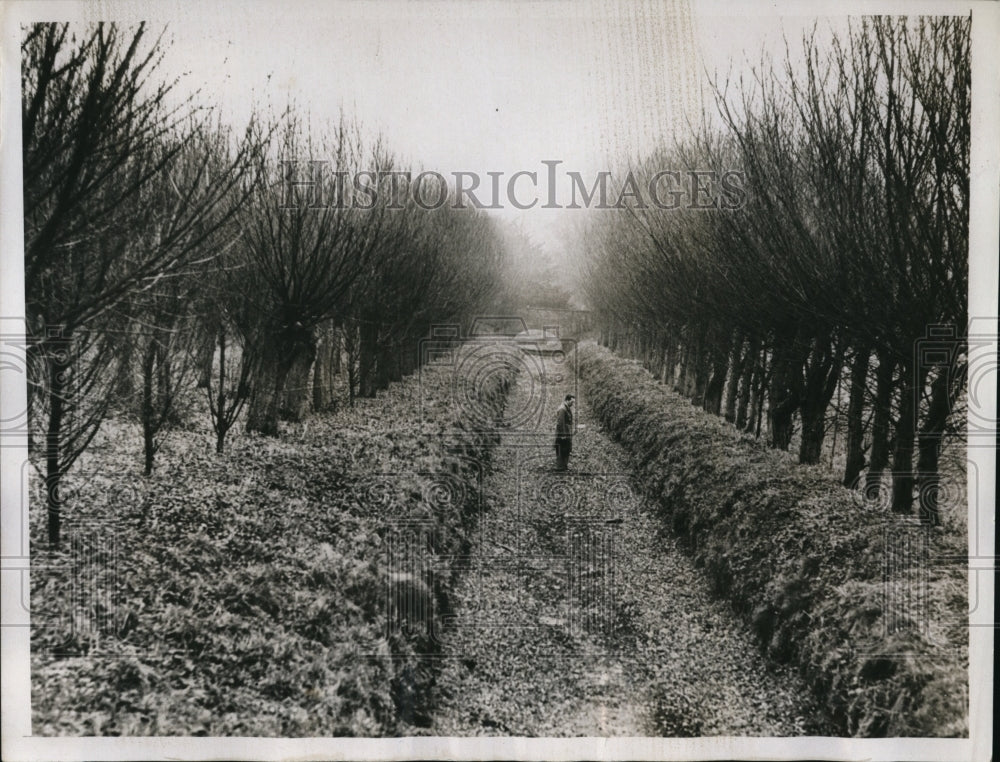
pixel 564 432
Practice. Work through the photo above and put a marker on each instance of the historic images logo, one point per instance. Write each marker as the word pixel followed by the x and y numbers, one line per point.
pixel 317 184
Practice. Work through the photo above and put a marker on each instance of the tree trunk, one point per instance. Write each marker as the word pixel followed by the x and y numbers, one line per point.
pixel 813 432
pixel 880 424
pixel 762 396
pixel 930 439
pixel 53 447
pixel 276 361
pixel 335 349
pixel 206 354
pixel 734 371
pixel 383 364
pixel 125 381
pixel 295 403
pixel 782 399
pixel 748 368
pixel 757 393
pixel 781 420
pixel 670 362
pixel 350 338
pixel 822 372
pixel 902 457
pixel 702 364
pixel 367 359
pixel 320 378
pixel 222 422
pixel 408 355
pixel 717 381
pixel 148 406
pixel 397 353
pixel 855 417
pixel 691 362
pixel 319 373
pixel 655 352
pixel 166 411
pixel 685 376
pixel 262 414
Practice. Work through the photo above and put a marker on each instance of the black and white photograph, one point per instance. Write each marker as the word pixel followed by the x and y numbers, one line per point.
pixel 542 379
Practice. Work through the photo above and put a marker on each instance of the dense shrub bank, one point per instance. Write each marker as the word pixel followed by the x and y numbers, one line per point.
pixel 248 593
pixel 798 557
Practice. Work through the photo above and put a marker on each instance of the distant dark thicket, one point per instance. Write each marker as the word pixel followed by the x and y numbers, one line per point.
pixel 163 251
pixel 845 268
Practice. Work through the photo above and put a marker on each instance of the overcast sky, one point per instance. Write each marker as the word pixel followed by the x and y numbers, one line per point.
pixel 480 87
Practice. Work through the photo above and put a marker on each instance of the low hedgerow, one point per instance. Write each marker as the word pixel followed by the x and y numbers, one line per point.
pixel 799 557
pixel 249 593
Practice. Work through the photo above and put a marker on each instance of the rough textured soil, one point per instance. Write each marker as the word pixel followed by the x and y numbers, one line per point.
pixel 579 616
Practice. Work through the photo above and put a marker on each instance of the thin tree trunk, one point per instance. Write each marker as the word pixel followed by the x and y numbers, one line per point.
pixel 902 457
pixel 733 377
pixel 383 364
pixel 655 352
pixel 684 382
pixel 206 354
pixel 335 348
pixel 148 430
pixel 670 361
pixel 855 417
pixel 760 410
pixel 366 359
pixel 222 423
pixel 408 355
pixel 702 368
pixel 350 337
pixel 880 423
pixel 749 367
pixel 396 354
pixel 757 393
pixel 53 448
pixel 320 382
pixel 689 364
pixel 125 381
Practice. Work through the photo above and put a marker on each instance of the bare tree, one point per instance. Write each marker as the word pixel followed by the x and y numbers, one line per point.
pixel 99 140
pixel 301 259
pixel 851 245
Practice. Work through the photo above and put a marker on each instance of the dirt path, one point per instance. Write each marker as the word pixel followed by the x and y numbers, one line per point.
pixel 577 616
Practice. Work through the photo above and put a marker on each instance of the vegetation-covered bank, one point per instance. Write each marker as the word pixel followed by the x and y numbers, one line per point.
pixel 251 592
pixel 849 594
pixel 583 618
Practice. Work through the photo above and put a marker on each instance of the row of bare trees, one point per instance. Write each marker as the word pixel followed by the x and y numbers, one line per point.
pixel 164 252
pixel 835 261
